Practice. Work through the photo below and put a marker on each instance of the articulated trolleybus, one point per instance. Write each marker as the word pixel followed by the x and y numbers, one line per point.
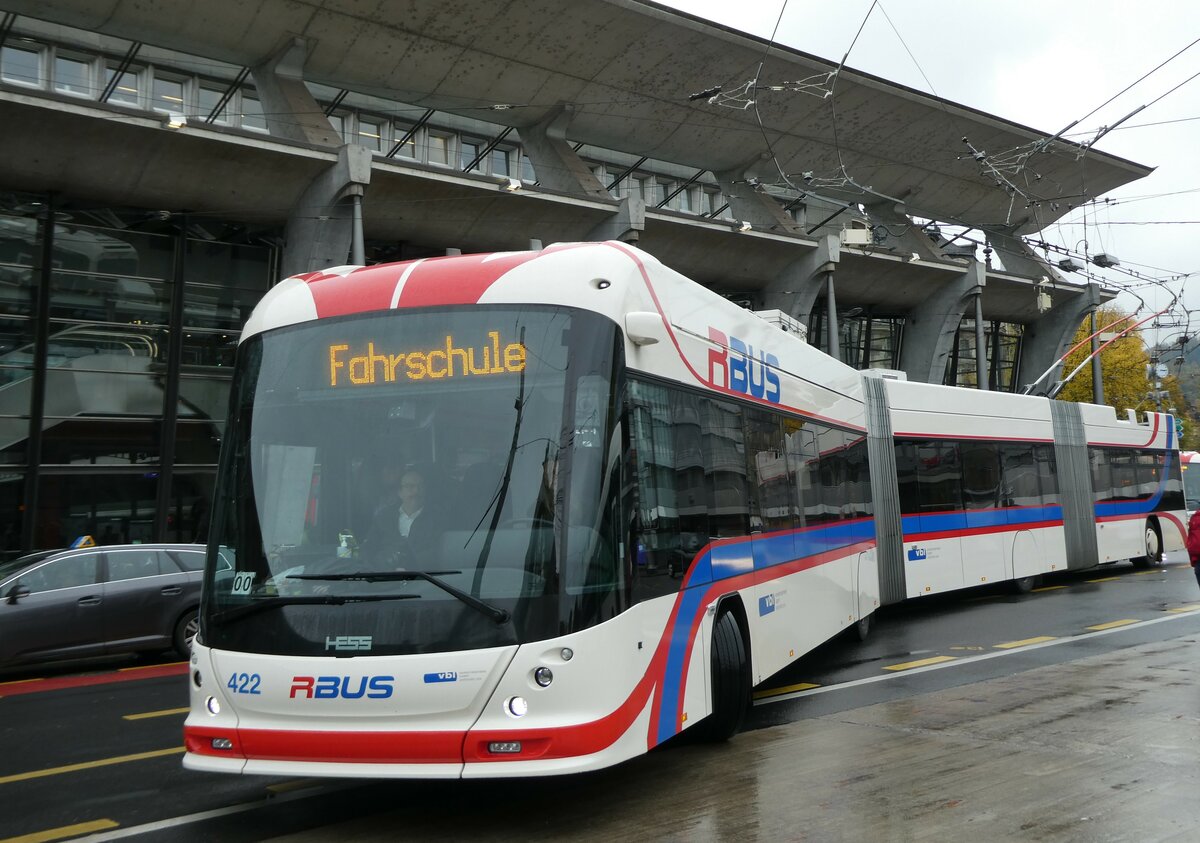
pixel 638 499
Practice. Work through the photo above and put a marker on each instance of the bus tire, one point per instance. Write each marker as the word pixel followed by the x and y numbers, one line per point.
pixel 730 680
pixel 185 630
pixel 862 628
pixel 1024 585
pixel 1153 543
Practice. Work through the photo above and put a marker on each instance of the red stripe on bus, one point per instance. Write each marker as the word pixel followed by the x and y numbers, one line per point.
pixel 360 291
pixel 457 280
pixel 980 531
pixel 329 747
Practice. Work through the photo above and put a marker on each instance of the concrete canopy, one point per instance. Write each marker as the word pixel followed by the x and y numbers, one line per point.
pixel 625 69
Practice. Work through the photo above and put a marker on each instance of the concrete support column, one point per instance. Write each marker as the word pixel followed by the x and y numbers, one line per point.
pixel 625 225
pixel 321 231
pixel 1097 373
pixel 981 361
pixel 930 328
pixel 831 320
pixel 749 204
pixel 803 281
pixel 290 109
pixel 555 163
pixel 1048 337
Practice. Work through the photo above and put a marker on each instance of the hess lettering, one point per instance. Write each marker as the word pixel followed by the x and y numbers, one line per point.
pixel 448 360
pixel 741 370
pixel 342 687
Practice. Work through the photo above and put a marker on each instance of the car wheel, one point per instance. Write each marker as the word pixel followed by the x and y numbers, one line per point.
pixel 1154 552
pixel 185 630
pixel 730 680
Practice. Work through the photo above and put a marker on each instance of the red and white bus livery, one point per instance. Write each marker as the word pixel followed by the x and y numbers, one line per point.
pixel 535 513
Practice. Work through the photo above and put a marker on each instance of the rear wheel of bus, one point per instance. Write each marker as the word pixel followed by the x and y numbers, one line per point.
pixel 1153 545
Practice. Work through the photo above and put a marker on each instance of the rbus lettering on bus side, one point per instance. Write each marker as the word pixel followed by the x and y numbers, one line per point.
pixel 742 371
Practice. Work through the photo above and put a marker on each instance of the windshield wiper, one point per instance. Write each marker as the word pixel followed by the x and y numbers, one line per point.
pixel 262 604
pixel 494 612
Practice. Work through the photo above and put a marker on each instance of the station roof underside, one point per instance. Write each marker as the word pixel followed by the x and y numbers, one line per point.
pixel 625 71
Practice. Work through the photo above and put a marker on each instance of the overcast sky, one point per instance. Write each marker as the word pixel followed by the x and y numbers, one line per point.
pixel 1043 64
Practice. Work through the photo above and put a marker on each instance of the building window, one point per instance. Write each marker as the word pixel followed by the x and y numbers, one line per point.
pixel 209 97
pixel 20 65
pixel 685 198
pixel 662 189
pixel 527 173
pixel 73 76
pixel 370 134
pixel 252 114
pixel 126 91
pixel 167 95
pixel 501 161
pixel 338 122
pixel 468 152
pixel 408 149
pixel 438 147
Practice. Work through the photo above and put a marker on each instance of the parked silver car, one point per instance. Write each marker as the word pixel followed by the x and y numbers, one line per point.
pixel 93 601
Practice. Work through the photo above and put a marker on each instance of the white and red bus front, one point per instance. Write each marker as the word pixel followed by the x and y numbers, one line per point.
pixel 478 645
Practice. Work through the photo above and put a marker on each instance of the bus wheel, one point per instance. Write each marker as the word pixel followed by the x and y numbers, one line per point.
pixel 1024 585
pixel 730 680
pixel 862 628
pixel 1154 552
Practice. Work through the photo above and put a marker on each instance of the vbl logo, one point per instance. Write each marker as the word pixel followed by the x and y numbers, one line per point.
pixel 766 605
pixel 444 676
pixel 915 553
pixel 741 370
pixel 333 687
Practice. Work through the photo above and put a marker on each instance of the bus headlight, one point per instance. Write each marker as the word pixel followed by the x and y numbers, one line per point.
pixel 543 676
pixel 212 705
pixel 517 706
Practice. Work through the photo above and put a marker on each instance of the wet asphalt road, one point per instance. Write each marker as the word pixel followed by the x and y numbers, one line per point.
pixel 975 713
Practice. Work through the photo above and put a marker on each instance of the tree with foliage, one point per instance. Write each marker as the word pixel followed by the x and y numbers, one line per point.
pixel 1123 367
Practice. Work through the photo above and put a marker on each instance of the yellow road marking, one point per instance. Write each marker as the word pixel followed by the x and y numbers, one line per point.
pixel 166 712
pixel 920 663
pixel 1048 588
pixel 1105 579
pixel 1193 607
pixel 1024 642
pixel 285 787
pixel 1112 624
pixel 1143 573
pixel 88 765
pixel 148 667
pixel 786 689
pixel 62 833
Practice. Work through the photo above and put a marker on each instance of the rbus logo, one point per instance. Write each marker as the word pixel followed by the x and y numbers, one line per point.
pixel 345 687
pixel 741 370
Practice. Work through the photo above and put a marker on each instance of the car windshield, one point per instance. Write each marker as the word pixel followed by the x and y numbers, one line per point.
pixel 429 480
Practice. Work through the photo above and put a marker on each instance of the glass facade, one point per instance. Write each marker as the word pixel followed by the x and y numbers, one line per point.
pixel 1002 343
pixel 91 347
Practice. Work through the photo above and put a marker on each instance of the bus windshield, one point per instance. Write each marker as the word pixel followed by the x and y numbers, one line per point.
pixel 419 481
pixel 1191 485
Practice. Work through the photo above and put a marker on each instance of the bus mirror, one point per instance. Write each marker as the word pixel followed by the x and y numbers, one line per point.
pixel 643 327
